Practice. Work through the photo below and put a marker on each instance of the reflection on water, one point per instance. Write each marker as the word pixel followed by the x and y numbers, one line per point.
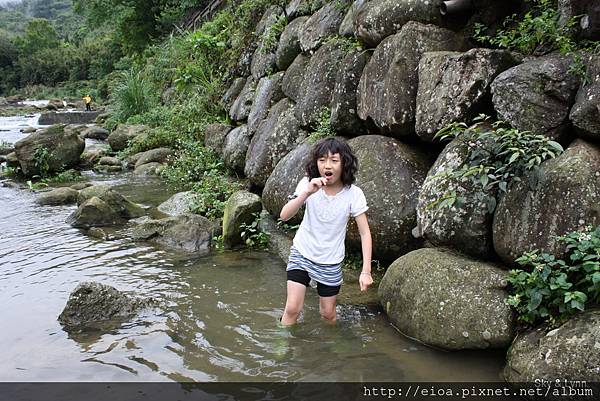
pixel 216 320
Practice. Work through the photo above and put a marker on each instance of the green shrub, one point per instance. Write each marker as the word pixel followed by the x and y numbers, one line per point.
pixel 552 290
pixel 496 156
pixel 131 96
pixel 323 129
pixel 252 235
pixel 213 190
pixel 41 160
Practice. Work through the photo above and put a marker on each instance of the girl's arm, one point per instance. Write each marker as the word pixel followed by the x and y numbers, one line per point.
pixel 365 279
pixel 292 207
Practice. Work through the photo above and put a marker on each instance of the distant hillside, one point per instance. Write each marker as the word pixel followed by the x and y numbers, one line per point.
pixel 14 16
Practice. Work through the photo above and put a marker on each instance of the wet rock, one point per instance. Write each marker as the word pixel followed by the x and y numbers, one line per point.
pixel 59 149
pixel 178 204
pixel 388 86
pixel 98 133
pixel 279 242
pixel 158 155
pixel 467 225
pixel 316 89
pixel 240 209
pixel 390 174
pixel 94 212
pixel 268 92
pixel 283 180
pixel 28 130
pixel 109 161
pixel 561 354
pixel 275 137
pixel 236 147
pixel 5 150
pixel 241 107
pixel 537 95
pixel 344 118
pixel 347 25
pixel 289 43
pixel 58 196
pixel 12 160
pixel 377 19
pixel 456 87
pixel 585 114
pixel 263 61
pixel 564 197
pixel 115 200
pixel 120 137
pixel 294 76
pixel 233 92
pixel 152 168
pixel 429 295
pixel 81 185
pixel 91 304
pixel 214 136
pixel 322 25
pixel 188 232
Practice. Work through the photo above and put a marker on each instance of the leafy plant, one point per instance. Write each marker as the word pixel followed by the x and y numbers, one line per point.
pixel 41 160
pixel 287 228
pixel 252 235
pixel 63 176
pixel 553 290
pixel 324 128
pixel 271 34
pixel 496 156
pixel 131 95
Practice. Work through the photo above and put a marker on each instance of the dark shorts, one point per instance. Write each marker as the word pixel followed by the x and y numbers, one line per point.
pixel 301 276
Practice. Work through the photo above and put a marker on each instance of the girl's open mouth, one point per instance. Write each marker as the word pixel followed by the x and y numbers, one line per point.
pixel 328 175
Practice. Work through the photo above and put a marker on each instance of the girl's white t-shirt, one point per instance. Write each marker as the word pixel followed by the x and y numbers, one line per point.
pixel 322 232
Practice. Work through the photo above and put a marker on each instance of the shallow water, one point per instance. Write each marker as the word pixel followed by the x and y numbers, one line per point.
pixel 216 319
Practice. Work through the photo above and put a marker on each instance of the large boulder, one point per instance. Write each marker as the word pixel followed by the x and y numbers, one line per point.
pixel 214 136
pixel 275 137
pixel 565 198
pixel 294 76
pixel 178 204
pixel 347 25
pixel 322 25
pixel 241 106
pixel 152 169
pixel 92 305
pixel 537 95
pixel 158 155
pixel 388 86
pixel 377 19
pixel 263 60
pixel 120 137
pixel 283 181
pixel 316 89
pixel 58 196
pixel 188 232
pixel 456 87
pixel 268 92
pixel 390 174
pixel 233 92
pixel 95 132
pixel 289 43
pixel 49 151
pixel 236 147
pixel 447 300
pixel 465 226
pixel 116 201
pixel 240 208
pixel 569 352
pixel 94 212
pixel 297 8
pixel 585 114
pixel 344 118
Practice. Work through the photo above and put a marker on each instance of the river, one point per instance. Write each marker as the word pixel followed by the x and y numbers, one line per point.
pixel 217 319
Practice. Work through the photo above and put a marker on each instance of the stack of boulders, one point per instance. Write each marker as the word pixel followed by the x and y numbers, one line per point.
pixel 388 75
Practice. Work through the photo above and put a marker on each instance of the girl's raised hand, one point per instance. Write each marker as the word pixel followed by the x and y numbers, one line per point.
pixel 315 184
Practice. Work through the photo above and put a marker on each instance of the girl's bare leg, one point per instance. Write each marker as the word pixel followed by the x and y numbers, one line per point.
pixel 327 308
pixel 294 302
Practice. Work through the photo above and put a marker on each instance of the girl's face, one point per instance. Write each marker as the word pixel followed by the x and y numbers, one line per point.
pixel 330 167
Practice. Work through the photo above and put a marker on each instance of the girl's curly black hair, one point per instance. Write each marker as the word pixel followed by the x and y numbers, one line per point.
pixel 333 145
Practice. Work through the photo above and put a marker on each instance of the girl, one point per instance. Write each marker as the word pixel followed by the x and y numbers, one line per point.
pixel 318 249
